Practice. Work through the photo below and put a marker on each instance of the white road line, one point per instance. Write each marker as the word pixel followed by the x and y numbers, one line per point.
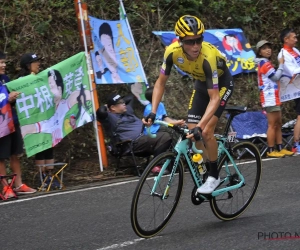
pixel 81 190
pixel 128 243
pixel 66 192
pixel 124 244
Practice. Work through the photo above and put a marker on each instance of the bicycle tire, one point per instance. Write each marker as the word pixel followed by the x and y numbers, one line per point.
pixel 142 223
pixel 245 152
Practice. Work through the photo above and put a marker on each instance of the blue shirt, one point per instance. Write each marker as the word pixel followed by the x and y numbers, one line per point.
pixel 3 80
pixel 161 113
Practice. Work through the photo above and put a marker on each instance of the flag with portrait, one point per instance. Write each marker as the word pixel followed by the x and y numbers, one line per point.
pixel 53 103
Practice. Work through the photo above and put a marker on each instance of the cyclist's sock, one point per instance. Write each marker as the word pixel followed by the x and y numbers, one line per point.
pixel 271 149
pixel 279 147
pixel 207 164
pixel 214 169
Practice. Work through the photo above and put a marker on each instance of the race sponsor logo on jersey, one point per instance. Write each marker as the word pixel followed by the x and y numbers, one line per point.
pixel 194 116
pixel 226 95
pixel 163 67
pixel 215 74
pixel 222 91
pixel 192 120
pixel 215 77
pixel 219 62
pixel 180 60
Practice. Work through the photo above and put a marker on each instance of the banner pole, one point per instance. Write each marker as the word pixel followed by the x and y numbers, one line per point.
pixel 134 45
pixel 90 70
pixel 100 136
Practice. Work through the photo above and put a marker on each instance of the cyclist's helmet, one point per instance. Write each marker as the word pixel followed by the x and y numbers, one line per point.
pixel 189 26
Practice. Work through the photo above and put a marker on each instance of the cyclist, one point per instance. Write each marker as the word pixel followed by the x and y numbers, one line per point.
pixel 212 89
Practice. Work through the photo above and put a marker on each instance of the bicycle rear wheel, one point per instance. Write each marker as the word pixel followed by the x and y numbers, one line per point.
pixel 232 204
pixel 150 213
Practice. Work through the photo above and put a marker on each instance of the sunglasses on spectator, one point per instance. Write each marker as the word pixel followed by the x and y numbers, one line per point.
pixel 191 42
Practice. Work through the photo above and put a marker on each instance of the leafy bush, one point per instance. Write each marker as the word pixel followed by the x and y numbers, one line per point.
pixel 49 28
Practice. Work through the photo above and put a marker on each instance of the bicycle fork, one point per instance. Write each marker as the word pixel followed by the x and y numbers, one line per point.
pixel 171 177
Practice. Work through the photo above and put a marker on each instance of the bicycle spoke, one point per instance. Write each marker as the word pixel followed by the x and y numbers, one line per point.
pixel 150 211
pixel 229 205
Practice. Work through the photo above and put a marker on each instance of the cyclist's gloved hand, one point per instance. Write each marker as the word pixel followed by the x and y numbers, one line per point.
pixel 151 116
pixel 197 132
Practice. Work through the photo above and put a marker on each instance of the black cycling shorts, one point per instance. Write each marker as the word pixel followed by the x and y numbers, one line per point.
pixel 11 144
pixel 200 98
pixel 45 155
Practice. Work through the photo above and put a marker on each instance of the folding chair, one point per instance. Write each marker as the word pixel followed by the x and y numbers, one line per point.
pixel 288 134
pixel 252 126
pixel 122 149
pixel 48 180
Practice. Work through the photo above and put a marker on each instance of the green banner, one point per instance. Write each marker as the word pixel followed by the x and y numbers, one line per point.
pixel 53 103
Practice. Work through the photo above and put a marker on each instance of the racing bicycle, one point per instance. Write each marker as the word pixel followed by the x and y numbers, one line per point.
pixel 157 196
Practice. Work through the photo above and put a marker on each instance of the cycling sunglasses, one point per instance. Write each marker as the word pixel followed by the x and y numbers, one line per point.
pixel 191 42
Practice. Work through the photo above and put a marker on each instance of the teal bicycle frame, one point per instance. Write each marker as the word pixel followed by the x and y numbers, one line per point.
pixel 182 148
pixel 222 150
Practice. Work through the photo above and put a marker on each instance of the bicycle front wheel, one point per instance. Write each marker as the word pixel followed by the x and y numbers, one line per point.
pixel 156 197
pixel 232 204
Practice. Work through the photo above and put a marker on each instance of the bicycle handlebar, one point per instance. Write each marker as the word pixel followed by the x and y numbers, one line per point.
pixel 166 124
pixel 176 128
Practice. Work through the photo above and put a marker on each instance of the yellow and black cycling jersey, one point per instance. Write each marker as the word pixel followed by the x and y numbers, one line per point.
pixel 208 67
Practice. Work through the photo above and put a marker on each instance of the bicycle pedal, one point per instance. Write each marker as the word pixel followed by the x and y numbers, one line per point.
pixel 196 198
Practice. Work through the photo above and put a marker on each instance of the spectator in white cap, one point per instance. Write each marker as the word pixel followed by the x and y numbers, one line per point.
pixel 30 64
pixel 269 97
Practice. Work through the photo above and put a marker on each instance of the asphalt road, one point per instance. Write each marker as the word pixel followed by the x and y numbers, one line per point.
pixel 98 218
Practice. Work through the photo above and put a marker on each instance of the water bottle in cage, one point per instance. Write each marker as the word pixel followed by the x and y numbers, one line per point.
pixel 197 158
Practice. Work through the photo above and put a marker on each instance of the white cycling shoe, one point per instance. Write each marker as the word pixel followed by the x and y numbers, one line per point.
pixel 209 185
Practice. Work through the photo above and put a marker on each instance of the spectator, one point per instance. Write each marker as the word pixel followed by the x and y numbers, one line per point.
pixel 161 113
pixel 119 116
pixel 269 97
pixel 30 64
pixel 11 145
pixel 291 68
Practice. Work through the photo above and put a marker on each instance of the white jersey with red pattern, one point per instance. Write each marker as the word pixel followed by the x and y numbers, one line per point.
pixel 269 91
pixel 291 65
